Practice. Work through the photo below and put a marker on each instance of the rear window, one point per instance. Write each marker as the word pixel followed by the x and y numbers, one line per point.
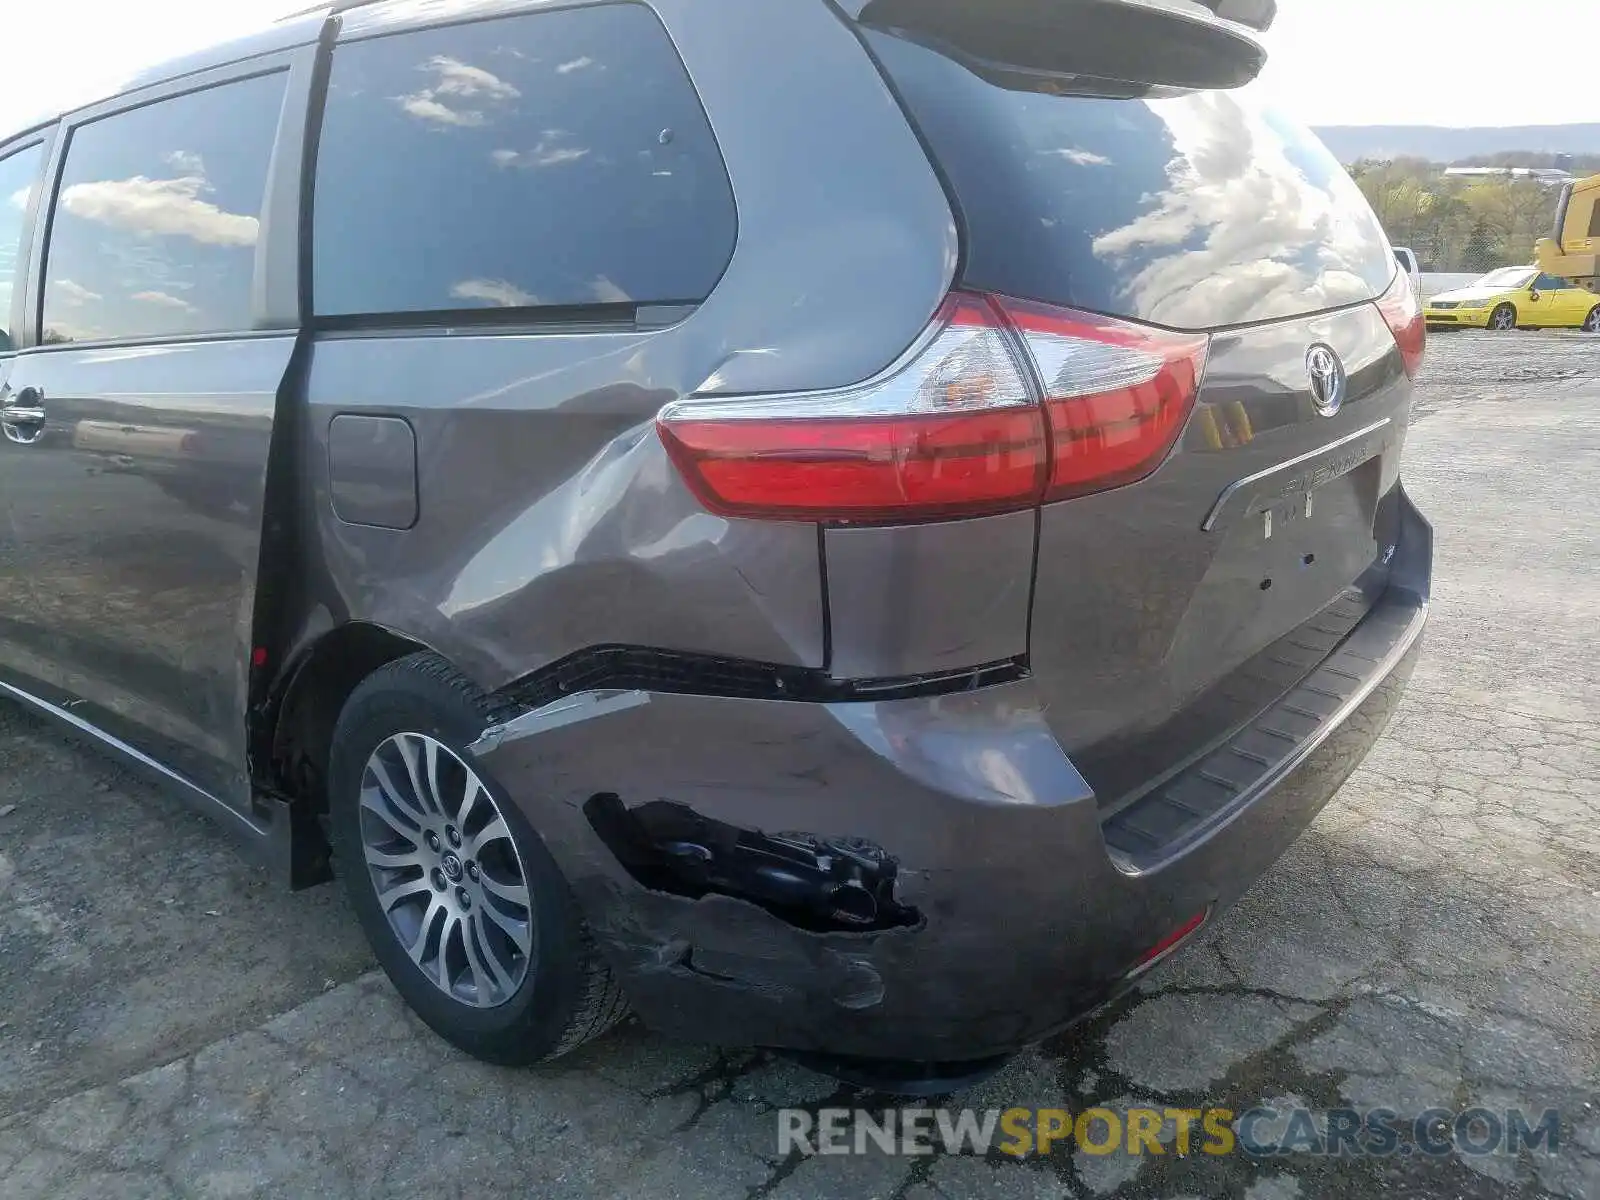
pixel 1190 211
pixel 549 160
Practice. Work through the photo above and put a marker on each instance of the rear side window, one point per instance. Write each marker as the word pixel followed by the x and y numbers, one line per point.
pixel 557 159
pixel 1191 211
pixel 19 175
pixel 157 216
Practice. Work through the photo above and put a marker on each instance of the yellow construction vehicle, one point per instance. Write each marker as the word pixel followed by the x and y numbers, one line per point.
pixel 1573 251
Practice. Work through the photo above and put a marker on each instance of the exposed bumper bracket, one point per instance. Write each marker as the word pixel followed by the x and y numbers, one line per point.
pixel 815 883
pixel 569 710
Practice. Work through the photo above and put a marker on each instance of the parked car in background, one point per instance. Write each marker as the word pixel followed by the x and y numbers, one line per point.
pixel 1411 265
pixel 859 581
pixel 1515 298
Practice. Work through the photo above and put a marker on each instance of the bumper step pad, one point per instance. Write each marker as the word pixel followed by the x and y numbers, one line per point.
pixel 1168 817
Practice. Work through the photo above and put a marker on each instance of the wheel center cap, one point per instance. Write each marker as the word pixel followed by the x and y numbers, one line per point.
pixel 452 867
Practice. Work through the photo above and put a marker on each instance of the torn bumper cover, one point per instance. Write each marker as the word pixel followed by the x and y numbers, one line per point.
pixel 953 896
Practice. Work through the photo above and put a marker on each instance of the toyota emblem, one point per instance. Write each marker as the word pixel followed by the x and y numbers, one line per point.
pixel 1327 379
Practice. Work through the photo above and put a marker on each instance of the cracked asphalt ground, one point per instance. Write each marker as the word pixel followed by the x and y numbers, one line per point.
pixel 169 1025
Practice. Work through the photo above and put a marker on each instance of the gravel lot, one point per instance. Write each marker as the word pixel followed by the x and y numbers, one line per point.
pixel 169 1025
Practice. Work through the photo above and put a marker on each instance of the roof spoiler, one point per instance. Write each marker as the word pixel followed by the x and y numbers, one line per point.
pixel 1257 14
pixel 1124 45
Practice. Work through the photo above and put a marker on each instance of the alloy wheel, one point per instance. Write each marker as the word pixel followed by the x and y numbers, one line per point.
pixel 1503 318
pixel 1592 323
pixel 446 870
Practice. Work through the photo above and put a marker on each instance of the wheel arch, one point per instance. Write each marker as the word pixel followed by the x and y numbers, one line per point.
pixel 294 730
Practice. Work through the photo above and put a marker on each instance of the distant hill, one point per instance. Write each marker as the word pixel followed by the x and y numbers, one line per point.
pixel 1437 143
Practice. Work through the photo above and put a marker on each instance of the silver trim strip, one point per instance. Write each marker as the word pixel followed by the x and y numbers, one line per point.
pixel 569 710
pixel 120 747
pixel 1233 488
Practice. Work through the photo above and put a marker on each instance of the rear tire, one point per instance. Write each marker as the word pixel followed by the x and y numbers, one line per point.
pixel 1503 319
pixel 478 930
pixel 1591 323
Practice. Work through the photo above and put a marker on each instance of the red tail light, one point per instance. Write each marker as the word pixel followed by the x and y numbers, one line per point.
pixel 1403 311
pixel 956 428
pixel 1118 394
pixel 952 430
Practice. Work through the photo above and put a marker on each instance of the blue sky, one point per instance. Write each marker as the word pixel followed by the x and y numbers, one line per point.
pixel 1448 62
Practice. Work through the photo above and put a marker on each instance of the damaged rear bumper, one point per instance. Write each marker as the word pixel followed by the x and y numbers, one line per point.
pixel 982 898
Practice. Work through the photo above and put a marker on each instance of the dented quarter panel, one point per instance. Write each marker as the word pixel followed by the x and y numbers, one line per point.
pixel 549 518
pixel 924 598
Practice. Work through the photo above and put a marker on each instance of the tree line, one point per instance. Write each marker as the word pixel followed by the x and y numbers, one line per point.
pixel 1459 223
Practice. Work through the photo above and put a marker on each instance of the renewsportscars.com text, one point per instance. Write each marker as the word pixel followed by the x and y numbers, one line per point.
pixel 1258 1132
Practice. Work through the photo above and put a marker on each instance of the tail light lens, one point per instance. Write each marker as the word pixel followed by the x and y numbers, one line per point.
pixel 1117 394
pixel 955 429
pixel 1403 312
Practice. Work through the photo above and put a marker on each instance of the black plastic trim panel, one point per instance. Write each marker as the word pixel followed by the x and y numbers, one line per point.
pixel 626 668
pixel 1169 817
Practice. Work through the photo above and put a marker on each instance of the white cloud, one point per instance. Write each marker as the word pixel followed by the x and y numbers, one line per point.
pixel 1082 158
pixel 19 198
pixel 554 158
pixel 74 293
pixel 607 292
pixel 164 206
pixel 424 107
pixel 1230 190
pixel 545 154
pixel 496 291
pixel 163 300
pixel 186 162
pixel 577 64
pixel 456 80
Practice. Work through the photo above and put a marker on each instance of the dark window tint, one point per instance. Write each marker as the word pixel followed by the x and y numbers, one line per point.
pixel 157 216
pixel 1192 211
pixel 1594 221
pixel 553 159
pixel 19 176
pixel 1550 283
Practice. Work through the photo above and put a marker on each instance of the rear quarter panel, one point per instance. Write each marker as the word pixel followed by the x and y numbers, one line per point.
pixel 549 518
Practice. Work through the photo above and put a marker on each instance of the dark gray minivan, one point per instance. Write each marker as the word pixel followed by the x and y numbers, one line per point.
pixel 853 526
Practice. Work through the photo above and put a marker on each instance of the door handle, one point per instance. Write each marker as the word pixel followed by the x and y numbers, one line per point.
pixel 22 416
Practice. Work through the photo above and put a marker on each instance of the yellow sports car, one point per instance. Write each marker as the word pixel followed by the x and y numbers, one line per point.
pixel 1516 298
